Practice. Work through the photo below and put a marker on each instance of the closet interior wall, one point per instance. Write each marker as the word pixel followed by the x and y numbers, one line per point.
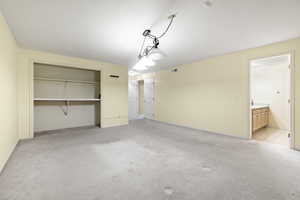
pixel 65 97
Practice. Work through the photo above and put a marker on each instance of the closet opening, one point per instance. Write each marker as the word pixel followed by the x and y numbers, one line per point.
pixel 271 118
pixel 65 97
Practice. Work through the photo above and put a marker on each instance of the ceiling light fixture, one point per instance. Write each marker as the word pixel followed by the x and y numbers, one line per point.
pixel 156 54
pixel 133 73
pixel 149 54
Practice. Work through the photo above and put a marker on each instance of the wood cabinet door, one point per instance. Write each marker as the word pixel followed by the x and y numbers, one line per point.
pixel 267 117
pixel 255 122
pixel 259 120
pixel 262 119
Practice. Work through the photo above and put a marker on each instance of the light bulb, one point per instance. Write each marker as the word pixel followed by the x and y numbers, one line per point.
pixel 156 54
pixel 147 61
pixel 133 73
pixel 140 66
pixel 143 63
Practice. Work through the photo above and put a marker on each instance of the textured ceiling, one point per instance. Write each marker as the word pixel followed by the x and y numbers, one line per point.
pixel 111 30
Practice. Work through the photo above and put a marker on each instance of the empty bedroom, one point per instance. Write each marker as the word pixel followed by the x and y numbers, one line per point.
pixel 150 100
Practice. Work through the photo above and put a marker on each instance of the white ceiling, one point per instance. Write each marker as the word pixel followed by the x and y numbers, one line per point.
pixel 111 30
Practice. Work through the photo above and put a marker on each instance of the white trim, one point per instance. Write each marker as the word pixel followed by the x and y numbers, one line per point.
pixel 33 61
pixel 292 95
pixel 292 100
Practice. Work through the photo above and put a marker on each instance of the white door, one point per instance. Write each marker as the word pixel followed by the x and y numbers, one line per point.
pixel 133 100
pixel 149 98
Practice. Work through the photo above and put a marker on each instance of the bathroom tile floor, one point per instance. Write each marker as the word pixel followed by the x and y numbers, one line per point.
pixel 272 135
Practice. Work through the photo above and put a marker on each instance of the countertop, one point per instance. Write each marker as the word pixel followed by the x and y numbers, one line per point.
pixel 259 106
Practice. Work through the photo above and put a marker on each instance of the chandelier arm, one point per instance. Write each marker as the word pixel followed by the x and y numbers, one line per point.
pixel 149 49
pixel 168 27
pixel 147 33
pixel 146 51
pixel 151 36
pixel 142 47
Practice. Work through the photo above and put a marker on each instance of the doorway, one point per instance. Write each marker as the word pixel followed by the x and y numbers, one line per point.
pixel 141 98
pixel 149 98
pixel 133 99
pixel 270 100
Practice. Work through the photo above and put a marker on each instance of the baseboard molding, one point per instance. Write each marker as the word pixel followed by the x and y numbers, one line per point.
pixel 196 129
pixel 49 132
pixel 10 152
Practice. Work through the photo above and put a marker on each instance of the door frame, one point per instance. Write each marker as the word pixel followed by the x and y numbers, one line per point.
pixel 292 95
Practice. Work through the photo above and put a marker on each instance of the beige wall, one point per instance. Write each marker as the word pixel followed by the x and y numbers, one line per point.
pixel 114 104
pixel 141 96
pixel 213 94
pixel 8 106
pixel 270 84
pixel 16 82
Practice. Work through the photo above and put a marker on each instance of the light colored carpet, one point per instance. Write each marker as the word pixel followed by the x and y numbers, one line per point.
pixel 149 161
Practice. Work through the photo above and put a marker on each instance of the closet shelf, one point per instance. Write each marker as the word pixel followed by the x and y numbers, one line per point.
pixel 53 99
pixel 64 80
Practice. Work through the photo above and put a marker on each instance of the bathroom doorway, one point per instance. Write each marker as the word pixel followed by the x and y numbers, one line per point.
pixel 271 100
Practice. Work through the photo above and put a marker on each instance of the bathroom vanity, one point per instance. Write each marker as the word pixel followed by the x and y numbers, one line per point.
pixel 260 117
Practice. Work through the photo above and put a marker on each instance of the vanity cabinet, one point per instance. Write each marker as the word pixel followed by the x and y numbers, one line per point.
pixel 260 118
